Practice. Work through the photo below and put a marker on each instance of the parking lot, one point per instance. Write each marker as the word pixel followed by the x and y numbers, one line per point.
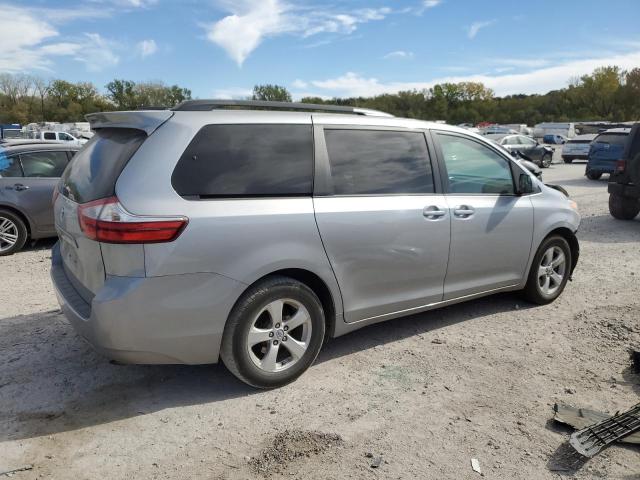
pixel 425 393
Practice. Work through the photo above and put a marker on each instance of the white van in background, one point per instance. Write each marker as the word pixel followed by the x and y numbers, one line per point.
pixel 567 130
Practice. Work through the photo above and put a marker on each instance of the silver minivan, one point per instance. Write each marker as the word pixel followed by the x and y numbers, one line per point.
pixel 254 231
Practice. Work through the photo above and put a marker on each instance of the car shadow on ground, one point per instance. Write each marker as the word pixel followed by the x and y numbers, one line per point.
pixel 606 229
pixel 51 381
pixel 583 182
pixel 41 244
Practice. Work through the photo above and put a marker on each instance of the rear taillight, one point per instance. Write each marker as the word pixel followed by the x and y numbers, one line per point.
pixel 56 192
pixel 620 166
pixel 107 221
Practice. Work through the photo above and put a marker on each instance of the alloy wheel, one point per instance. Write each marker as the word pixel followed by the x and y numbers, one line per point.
pixel 279 335
pixel 551 271
pixel 8 234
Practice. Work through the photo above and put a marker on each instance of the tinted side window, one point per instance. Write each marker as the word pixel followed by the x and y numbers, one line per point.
pixel 9 166
pixel 378 162
pixel 473 167
pixel 247 160
pixel 44 164
pixel 49 136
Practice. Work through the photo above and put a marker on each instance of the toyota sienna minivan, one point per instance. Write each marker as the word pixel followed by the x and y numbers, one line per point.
pixel 253 231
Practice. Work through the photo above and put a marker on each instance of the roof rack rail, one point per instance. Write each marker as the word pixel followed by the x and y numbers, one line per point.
pixel 207 105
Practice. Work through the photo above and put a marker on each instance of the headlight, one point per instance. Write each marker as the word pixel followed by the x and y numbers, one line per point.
pixel 573 205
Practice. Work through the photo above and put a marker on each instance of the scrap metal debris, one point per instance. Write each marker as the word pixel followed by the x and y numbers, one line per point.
pixel 597 430
pixel 9 473
pixel 590 440
pixel 580 418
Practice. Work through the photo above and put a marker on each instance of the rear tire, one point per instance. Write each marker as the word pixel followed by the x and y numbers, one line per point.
pixel 546 161
pixel 567 160
pixel 13 232
pixel 274 333
pixel 549 271
pixel 591 175
pixel 623 208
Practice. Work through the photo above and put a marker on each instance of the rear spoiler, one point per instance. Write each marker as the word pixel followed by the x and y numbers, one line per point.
pixel 145 120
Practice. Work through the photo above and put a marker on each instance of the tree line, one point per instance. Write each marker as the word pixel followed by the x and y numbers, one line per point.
pixel 25 98
pixel 608 93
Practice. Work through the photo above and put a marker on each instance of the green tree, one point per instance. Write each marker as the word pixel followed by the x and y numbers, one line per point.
pixel 274 93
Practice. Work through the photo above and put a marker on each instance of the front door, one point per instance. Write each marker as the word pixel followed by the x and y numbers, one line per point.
pixel 491 227
pixel 383 225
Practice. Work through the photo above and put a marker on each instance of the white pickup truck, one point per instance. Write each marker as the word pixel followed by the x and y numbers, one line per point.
pixel 59 137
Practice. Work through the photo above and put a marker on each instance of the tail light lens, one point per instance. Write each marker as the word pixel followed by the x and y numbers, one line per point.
pixel 107 221
pixel 54 197
pixel 620 166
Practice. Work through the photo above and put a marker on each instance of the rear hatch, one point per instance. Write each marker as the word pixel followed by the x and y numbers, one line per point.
pixel 91 175
pixel 607 148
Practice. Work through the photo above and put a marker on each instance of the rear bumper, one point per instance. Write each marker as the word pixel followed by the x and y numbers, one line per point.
pixel 169 319
pixel 624 190
pixel 602 166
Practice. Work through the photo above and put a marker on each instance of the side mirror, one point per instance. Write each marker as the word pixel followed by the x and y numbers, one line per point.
pixel 525 185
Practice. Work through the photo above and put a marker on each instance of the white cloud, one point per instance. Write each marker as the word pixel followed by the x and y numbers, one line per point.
pixel 20 35
pixel 431 3
pixel 28 40
pixel 146 48
pixel 540 80
pixel 251 21
pixel 402 54
pixel 297 83
pixel 97 53
pixel 475 27
pixel 128 3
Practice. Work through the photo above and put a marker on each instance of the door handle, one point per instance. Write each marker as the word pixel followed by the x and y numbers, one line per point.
pixel 433 212
pixel 20 187
pixel 463 211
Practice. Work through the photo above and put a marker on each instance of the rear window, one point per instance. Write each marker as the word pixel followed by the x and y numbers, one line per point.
pixel 612 139
pixel 246 161
pixel 93 171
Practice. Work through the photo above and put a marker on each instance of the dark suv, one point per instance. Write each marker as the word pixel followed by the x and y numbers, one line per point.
pixel 624 184
pixel 29 172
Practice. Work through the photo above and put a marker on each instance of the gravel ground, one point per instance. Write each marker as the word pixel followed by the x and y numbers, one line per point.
pixel 418 397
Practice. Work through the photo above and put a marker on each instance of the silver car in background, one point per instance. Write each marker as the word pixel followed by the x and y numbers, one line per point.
pixel 218 230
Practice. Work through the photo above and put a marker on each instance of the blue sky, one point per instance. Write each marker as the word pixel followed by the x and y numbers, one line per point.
pixel 221 48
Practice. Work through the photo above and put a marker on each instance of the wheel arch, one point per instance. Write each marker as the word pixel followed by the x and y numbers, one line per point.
pixel 315 283
pixel 572 240
pixel 23 216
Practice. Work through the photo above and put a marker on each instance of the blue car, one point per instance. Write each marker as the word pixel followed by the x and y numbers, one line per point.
pixel 554 139
pixel 606 149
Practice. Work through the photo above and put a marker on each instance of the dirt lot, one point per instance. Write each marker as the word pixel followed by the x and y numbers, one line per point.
pixel 425 393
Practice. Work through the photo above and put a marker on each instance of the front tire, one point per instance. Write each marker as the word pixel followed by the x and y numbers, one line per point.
pixel 567 160
pixel 591 175
pixel 13 232
pixel 547 158
pixel 274 333
pixel 623 208
pixel 549 272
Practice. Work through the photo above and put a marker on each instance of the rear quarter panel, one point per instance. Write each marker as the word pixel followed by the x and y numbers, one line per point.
pixel 243 239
